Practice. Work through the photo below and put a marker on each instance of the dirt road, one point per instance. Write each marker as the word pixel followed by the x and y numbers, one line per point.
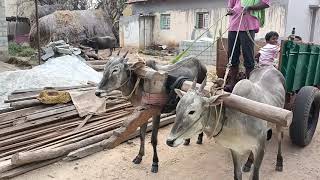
pixel 195 162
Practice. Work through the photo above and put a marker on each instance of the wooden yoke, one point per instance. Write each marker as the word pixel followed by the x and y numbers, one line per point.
pixel 263 111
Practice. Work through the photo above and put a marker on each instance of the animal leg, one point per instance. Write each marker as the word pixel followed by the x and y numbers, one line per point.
pixel 236 165
pixel 186 142
pixel 247 166
pixel 154 142
pixel 200 138
pixel 96 50
pixel 279 165
pixel 111 49
pixel 258 161
pixel 138 158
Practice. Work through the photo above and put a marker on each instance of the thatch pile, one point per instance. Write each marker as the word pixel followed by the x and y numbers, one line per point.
pixel 46 10
pixel 71 26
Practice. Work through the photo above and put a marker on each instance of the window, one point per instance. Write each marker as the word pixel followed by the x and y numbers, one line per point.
pixel 202 20
pixel 165 21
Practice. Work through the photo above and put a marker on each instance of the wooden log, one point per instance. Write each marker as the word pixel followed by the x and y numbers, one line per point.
pixel 97 67
pixel 45 154
pixel 263 111
pixel 25 104
pixel 94 148
pixel 98 62
pixel 5 166
pixel 21 170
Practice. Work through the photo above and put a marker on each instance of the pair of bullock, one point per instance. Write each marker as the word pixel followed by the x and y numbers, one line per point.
pixel 197 112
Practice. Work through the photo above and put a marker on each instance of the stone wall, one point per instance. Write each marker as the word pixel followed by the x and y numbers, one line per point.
pixel 3 32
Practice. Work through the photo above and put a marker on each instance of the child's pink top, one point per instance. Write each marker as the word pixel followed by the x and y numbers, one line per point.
pixel 268 54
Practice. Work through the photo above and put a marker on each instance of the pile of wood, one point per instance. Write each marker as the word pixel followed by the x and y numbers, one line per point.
pixel 97 65
pixel 53 131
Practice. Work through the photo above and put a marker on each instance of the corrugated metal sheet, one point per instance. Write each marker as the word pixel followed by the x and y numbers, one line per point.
pixel 300 65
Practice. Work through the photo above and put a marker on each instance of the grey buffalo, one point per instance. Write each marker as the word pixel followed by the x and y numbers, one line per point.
pixel 118 75
pixel 241 133
pixel 98 43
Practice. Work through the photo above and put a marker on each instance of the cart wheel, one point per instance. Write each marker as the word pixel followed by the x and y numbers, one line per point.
pixel 305 116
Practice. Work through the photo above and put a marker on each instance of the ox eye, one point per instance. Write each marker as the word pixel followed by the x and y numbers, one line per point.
pixel 191 112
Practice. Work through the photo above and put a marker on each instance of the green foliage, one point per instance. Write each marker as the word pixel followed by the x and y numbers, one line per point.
pixel 19 50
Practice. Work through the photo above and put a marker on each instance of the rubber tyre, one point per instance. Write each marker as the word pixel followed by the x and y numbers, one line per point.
pixel 305 116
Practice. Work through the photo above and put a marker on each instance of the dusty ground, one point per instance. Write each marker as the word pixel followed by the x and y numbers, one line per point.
pixel 195 162
pixel 6 67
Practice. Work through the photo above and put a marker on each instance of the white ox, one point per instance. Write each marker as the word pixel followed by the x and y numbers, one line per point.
pixel 241 133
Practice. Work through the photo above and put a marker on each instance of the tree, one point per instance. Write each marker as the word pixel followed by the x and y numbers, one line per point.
pixel 114 8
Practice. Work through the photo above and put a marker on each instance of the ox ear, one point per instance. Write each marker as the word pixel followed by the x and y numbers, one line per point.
pixel 179 93
pixel 216 100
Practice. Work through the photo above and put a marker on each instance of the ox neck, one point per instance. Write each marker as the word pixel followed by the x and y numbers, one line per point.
pixel 128 87
pixel 214 122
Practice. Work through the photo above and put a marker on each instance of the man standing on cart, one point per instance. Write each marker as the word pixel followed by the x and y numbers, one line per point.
pixel 253 18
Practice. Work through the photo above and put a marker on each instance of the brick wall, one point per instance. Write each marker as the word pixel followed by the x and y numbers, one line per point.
pixel 3 32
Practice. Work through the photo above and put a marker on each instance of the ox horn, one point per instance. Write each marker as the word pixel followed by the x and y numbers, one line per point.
pixel 203 84
pixel 194 83
pixel 119 52
pixel 125 55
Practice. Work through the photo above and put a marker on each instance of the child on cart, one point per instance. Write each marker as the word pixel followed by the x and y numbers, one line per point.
pixel 268 54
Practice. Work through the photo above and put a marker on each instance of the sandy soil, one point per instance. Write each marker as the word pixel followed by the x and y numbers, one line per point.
pixel 195 162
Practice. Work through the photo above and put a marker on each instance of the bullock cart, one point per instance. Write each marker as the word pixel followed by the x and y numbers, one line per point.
pixel 300 65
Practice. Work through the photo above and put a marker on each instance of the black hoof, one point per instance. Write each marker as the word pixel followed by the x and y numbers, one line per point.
pixel 154 168
pixel 137 160
pixel 279 168
pixel 199 141
pixel 186 142
pixel 246 168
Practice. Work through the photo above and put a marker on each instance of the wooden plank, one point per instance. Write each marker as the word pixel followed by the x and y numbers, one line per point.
pixel 80 136
pixel 97 62
pixel 21 99
pixel 44 127
pixel 94 148
pixel 50 113
pixel 56 88
pixel 37 123
pixel 83 122
pixel 34 134
pixel 65 136
pixel 263 111
pixel 19 113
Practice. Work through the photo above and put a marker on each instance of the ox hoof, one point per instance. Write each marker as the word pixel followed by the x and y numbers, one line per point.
pixel 246 168
pixel 154 168
pixel 186 142
pixel 137 160
pixel 279 168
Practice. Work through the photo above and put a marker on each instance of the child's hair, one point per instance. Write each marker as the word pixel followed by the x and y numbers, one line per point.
pixel 271 34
